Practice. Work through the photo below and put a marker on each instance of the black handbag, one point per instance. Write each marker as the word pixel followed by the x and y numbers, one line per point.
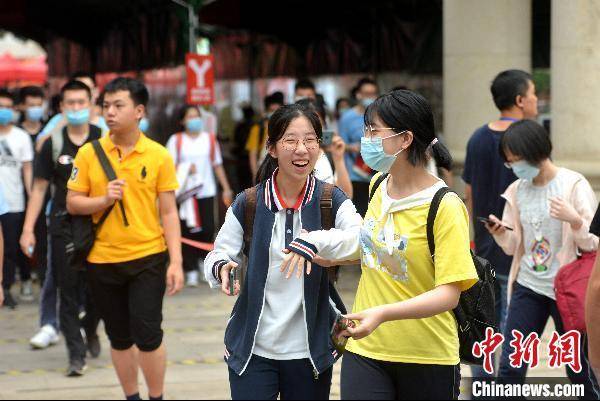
pixel 81 230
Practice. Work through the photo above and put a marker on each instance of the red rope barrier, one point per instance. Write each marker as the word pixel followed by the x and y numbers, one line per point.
pixel 200 245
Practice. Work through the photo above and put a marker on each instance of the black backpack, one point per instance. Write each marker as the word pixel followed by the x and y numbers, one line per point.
pixel 476 308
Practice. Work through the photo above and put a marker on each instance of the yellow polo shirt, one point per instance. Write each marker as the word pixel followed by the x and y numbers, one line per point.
pixel 147 171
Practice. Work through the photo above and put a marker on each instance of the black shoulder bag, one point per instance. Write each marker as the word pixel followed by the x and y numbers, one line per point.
pixel 82 233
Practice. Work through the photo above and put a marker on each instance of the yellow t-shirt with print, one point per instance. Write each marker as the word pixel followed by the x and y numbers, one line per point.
pixel 397 266
pixel 147 171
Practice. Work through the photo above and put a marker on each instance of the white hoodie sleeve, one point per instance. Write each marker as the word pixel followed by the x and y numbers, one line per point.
pixel 340 243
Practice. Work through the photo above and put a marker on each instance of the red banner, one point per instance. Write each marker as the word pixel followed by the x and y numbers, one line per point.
pixel 200 79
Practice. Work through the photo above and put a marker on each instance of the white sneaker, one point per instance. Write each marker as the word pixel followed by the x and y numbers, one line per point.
pixel 191 279
pixel 46 337
pixel 26 292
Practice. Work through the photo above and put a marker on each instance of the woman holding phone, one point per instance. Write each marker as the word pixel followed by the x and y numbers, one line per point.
pixel 550 210
pixel 335 145
pixel 277 342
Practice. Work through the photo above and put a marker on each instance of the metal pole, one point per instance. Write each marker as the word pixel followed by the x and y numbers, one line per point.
pixel 192 23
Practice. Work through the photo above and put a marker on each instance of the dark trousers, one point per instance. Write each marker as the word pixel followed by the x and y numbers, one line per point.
pixel 266 379
pixel 528 313
pixel 12 227
pixel 368 379
pixel 129 298
pixel 192 255
pixel 71 282
pixel 361 196
pixel 40 259
pixel 91 320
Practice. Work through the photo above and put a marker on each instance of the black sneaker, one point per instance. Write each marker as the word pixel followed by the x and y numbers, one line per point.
pixel 93 345
pixel 9 301
pixel 76 368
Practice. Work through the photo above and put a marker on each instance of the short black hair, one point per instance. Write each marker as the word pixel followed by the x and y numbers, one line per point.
pixel 184 109
pixel 365 81
pixel 508 85
pixel 274 98
pixel 340 100
pixel 83 74
pixel 137 90
pixel 74 85
pixel 314 105
pixel 6 94
pixel 528 140
pixel 30 91
pixel 305 83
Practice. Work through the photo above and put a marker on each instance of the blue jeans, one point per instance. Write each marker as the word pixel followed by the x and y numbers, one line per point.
pixel 49 296
pixel 528 313
pixel 265 379
pixel 501 311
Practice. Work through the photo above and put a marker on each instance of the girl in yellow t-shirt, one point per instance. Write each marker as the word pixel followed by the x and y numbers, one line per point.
pixel 405 345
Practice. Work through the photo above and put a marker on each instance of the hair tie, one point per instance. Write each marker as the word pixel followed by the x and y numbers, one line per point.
pixel 435 140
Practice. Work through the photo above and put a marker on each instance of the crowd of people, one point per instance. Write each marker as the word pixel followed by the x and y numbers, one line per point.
pixel 110 221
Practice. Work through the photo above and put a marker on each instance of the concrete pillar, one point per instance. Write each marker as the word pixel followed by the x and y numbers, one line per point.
pixel 575 86
pixel 481 38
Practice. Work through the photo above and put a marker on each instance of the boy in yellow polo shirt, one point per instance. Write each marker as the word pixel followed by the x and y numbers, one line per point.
pixel 128 263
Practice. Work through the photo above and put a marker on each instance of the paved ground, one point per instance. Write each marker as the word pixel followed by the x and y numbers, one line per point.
pixel 194 325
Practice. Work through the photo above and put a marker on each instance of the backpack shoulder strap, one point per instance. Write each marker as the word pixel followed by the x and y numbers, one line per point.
pixel 433 209
pixel 213 148
pixel 249 213
pixel 376 185
pixel 109 171
pixel 327 207
pixel 57 143
pixel 327 223
pixel 178 145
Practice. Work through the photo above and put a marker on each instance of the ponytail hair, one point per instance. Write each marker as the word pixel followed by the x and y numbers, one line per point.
pixel 267 168
pixel 278 124
pixel 404 110
pixel 441 155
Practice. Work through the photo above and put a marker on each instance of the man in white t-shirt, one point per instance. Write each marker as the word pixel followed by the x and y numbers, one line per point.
pixel 16 174
pixel 3 211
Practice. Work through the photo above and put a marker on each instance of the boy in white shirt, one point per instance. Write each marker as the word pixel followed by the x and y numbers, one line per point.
pixel 16 172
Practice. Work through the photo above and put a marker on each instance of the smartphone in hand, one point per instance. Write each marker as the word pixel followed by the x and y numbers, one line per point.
pixel 341 324
pixel 232 279
pixel 487 221
pixel 327 138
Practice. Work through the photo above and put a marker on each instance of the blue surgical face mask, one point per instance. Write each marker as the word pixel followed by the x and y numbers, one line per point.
pixel 35 113
pixel 524 170
pixel 79 117
pixel 194 124
pixel 373 154
pixel 144 124
pixel 6 116
pixel 367 102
